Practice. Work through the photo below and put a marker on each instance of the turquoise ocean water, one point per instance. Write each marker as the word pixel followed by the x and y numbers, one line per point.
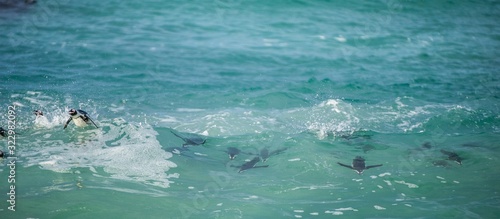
pixel 320 82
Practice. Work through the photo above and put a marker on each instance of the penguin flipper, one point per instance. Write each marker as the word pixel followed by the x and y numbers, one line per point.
pixel 67 122
pixel 184 139
pixel 261 166
pixel 372 166
pixel 92 121
pixel 344 165
pixel 278 151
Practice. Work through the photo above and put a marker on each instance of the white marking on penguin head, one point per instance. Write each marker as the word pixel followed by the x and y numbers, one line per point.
pixel 38 113
pixel 72 112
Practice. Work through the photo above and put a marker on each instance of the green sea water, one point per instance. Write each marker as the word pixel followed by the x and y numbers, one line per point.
pixel 316 82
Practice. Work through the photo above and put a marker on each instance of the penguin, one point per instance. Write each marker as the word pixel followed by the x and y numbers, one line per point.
pixel 38 113
pixel 12 4
pixel 195 140
pixel 3 132
pixel 250 164
pixel 232 152
pixel 265 153
pixel 40 119
pixel 1 154
pixel 80 117
pixel 453 156
pixel 358 165
pixel 367 147
pixel 427 145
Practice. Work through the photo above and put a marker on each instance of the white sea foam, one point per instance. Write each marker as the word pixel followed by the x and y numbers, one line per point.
pixel 346 209
pixel 410 185
pixel 190 110
pixel 334 212
pixel 251 197
pixel 384 174
pixel 341 39
pixel 332 116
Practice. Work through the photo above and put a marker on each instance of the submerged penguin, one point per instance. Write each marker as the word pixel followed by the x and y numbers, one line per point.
pixel 232 152
pixel 2 132
pixel 453 156
pixel 194 140
pixel 13 3
pixel 80 118
pixel 265 153
pixel 358 165
pixel 250 164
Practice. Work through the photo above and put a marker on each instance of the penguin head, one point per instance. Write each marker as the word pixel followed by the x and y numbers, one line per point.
pixel 1 153
pixel 38 112
pixel 72 112
pixel 2 132
pixel 359 158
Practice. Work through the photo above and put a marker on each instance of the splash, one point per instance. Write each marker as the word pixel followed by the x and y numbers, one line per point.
pixel 332 117
pixel 119 150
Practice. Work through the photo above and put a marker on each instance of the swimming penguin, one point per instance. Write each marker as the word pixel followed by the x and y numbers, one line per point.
pixel 367 148
pixel 1 154
pixel 453 156
pixel 12 3
pixel 40 119
pixel 2 132
pixel 38 113
pixel 195 140
pixel 427 145
pixel 232 152
pixel 358 165
pixel 250 165
pixel 80 117
pixel 265 153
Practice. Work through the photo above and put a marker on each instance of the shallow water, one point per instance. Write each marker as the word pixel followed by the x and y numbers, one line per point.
pixel 322 82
